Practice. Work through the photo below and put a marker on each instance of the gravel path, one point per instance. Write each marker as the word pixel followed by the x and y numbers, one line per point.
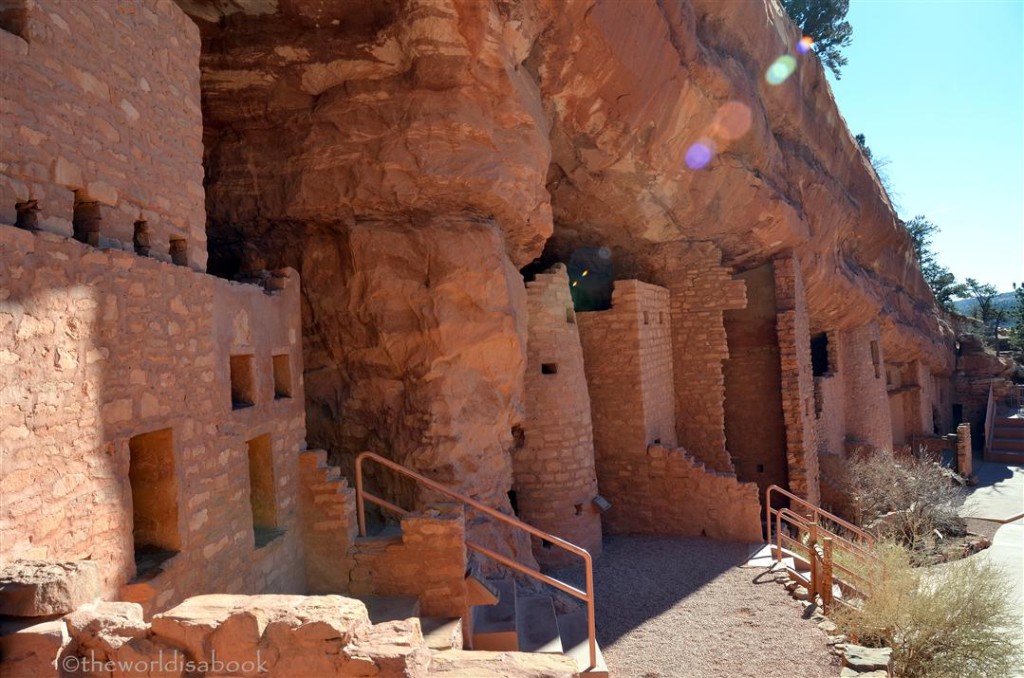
pixel 681 608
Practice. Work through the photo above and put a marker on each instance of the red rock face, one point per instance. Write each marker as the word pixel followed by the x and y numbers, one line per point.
pixel 406 157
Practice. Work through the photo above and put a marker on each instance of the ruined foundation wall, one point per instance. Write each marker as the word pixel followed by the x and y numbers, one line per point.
pixel 100 346
pixel 754 428
pixel 793 326
pixel 553 471
pixel 102 97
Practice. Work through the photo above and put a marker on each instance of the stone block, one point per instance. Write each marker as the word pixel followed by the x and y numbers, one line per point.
pixel 33 651
pixel 33 588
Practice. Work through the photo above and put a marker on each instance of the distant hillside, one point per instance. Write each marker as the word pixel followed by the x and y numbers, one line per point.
pixel 1004 300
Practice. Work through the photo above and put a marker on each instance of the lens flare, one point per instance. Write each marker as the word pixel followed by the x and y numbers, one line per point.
pixel 700 154
pixel 575 283
pixel 731 121
pixel 604 253
pixel 780 70
pixel 804 45
pixel 585 273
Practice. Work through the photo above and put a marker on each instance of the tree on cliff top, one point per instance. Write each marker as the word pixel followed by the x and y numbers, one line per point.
pixel 824 21
pixel 1017 318
pixel 942 281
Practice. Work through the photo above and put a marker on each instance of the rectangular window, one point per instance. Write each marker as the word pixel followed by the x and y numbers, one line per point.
pixel 154 486
pixel 242 387
pixel 549 368
pixel 876 359
pixel 282 376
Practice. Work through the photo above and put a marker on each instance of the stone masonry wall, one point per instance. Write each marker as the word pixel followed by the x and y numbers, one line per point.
pixel 701 290
pixel 553 470
pixel 102 98
pixel 690 500
pixel 867 413
pixel 329 525
pixel 654 487
pixel 754 428
pixel 100 346
pixel 610 341
pixel 793 326
pixel 427 561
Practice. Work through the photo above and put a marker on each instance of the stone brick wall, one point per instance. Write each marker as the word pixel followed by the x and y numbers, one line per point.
pixel 427 561
pixel 690 500
pixel 793 327
pixel 701 290
pixel 654 487
pixel 754 428
pixel 619 395
pixel 553 470
pixel 862 363
pixel 329 525
pixel 102 98
pixel 101 346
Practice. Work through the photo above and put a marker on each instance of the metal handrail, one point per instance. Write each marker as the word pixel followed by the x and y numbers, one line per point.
pixel 990 420
pixel 586 596
pixel 815 558
pixel 816 512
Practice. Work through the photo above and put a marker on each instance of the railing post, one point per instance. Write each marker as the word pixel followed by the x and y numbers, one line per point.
pixel 826 574
pixel 812 556
pixel 360 509
pixel 591 617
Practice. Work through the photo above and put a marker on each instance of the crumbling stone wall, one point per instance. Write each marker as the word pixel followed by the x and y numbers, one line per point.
pixel 793 326
pixel 101 104
pixel 654 487
pixel 754 428
pixel 701 290
pixel 553 470
pixel 102 346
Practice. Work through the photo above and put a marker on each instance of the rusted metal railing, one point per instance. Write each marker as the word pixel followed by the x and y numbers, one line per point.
pixel 586 596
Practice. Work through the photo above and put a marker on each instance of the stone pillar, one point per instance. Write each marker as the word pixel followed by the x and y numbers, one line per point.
pixel 553 469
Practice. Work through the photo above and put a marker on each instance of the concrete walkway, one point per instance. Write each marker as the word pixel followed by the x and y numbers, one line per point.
pixel 999 496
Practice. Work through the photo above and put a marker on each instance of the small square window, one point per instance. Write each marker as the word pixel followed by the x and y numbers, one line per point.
pixel 549 368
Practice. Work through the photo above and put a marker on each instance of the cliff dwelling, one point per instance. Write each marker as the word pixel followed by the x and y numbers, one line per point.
pixel 245 242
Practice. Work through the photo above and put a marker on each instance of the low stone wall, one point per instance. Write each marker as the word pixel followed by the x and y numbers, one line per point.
pixel 264 635
pixel 427 561
pixel 691 500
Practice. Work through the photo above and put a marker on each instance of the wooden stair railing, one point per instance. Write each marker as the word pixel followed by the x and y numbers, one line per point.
pixel 586 596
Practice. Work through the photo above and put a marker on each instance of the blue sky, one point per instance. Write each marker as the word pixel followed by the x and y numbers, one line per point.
pixel 938 90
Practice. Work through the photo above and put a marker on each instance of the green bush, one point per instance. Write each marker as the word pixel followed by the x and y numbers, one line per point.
pixel 944 622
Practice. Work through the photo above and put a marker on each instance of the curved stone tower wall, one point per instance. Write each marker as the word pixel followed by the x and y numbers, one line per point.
pixel 554 477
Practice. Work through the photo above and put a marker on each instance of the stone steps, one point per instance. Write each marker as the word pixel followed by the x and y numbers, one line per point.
pixel 528 623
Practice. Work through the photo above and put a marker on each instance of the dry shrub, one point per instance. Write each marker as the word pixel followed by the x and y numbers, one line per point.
pixel 947 622
pixel 905 499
